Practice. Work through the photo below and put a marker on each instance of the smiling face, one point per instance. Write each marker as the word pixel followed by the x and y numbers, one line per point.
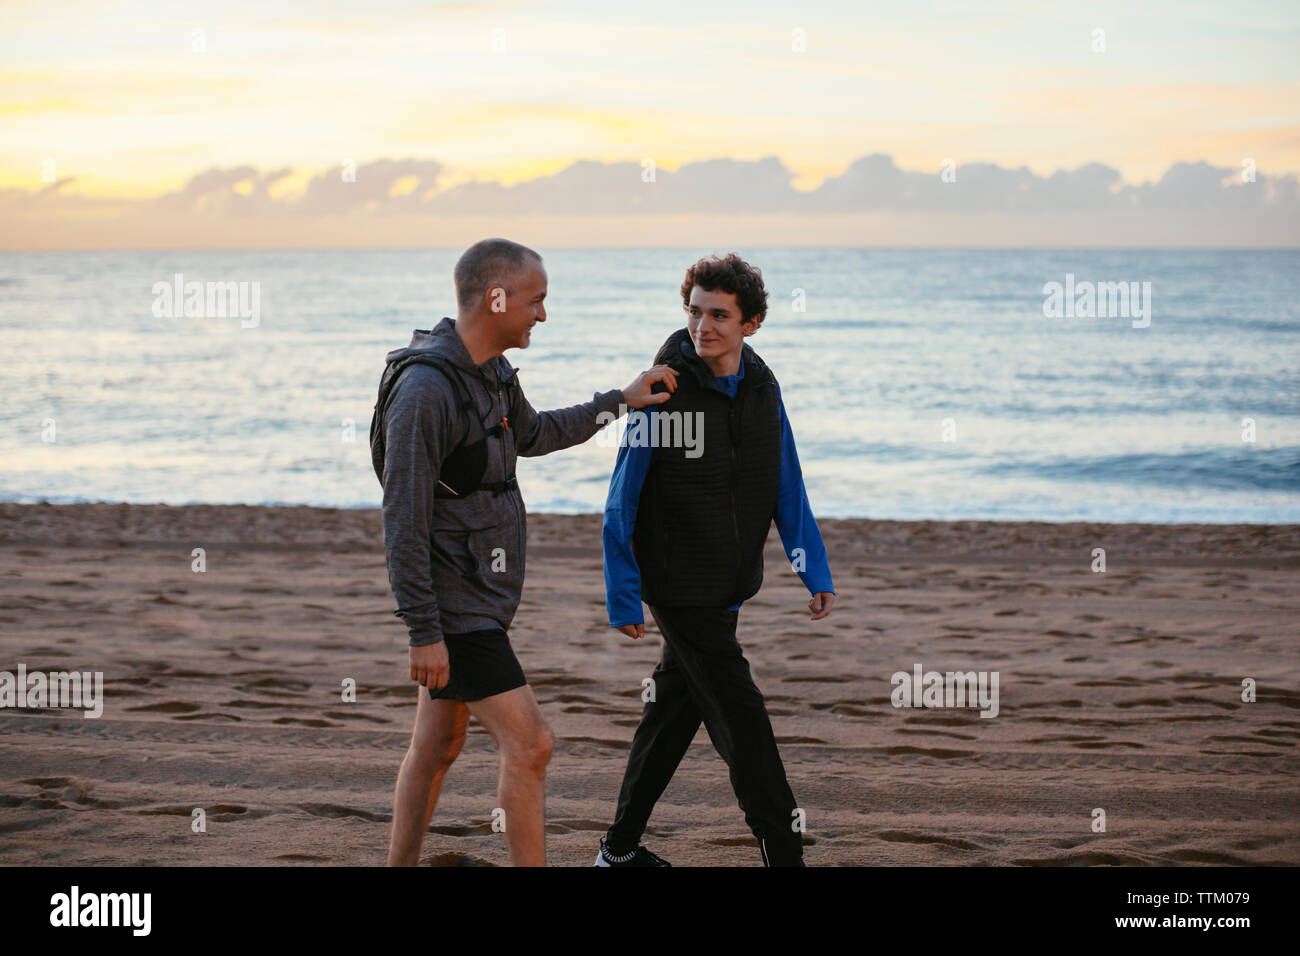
pixel 523 298
pixel 717 330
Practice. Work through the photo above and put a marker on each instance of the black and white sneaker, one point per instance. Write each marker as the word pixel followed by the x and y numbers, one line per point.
pixel 638 857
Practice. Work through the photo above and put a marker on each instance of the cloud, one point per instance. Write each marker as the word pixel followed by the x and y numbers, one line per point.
pixel 214 190
pixel 875 183
pixel 380 186
pixel 383 186
pixel 587 187
pixel 1192 202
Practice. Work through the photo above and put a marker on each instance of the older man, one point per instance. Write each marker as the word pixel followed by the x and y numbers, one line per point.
pixel 450 421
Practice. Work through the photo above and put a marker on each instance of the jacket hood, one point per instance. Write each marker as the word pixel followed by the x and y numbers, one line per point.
pixel 443 341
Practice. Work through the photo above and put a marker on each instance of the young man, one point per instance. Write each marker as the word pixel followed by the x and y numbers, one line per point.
pixel 684 529
pixel 448 425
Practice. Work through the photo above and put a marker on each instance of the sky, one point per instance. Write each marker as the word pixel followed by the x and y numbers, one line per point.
pixel 238 124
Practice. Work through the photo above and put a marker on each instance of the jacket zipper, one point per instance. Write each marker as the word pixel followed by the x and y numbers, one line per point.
pixel 735 524
pixel 520 541
pixel 497 407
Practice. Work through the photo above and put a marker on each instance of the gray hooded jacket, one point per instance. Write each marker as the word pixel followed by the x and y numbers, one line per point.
pixel 457 564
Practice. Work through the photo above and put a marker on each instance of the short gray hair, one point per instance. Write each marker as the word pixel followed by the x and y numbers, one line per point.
pixel 487 263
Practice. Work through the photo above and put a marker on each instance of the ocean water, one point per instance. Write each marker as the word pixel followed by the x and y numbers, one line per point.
pixel 920 383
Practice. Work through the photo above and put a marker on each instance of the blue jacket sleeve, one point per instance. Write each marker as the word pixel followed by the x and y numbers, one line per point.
pixel 622 576
pixel 800 535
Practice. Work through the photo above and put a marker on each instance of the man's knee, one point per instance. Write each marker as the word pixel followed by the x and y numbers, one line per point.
pixel 531 751
pixel 441 747
pixel 449 748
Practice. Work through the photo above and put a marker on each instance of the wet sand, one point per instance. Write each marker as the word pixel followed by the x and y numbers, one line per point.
pixel 1118 690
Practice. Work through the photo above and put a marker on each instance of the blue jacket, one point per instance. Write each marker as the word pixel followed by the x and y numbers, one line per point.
pixel 794 519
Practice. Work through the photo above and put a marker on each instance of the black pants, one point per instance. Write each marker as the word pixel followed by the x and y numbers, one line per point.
pixel 703 676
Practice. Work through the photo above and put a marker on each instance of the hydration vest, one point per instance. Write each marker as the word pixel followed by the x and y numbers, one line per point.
pixel 461 472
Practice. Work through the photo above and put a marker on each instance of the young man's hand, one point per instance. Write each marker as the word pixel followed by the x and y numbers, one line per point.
pixel 820 605
pixel 430 666
pixel 639 394
pixel 634 631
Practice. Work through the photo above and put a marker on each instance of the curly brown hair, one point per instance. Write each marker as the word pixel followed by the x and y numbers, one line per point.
pixel 729 273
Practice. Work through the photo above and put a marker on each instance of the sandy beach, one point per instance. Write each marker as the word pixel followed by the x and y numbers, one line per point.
pixel 1119 690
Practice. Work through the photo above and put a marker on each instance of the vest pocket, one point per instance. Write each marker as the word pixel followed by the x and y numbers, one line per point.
pixel 462 548
pixel 452 547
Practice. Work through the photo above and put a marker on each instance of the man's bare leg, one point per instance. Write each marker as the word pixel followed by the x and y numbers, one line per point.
pixel 524 741
pixel 436 740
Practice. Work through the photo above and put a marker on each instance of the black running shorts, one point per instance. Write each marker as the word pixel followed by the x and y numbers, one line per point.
pixel 483 664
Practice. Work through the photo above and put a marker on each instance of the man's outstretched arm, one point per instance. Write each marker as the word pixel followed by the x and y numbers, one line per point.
pixel 540 433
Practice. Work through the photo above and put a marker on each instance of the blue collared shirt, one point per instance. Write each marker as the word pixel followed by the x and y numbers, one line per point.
pixel 794 518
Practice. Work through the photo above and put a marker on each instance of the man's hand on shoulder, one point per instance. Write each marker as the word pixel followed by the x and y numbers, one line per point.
pixel 641 392
pixel 820 605
pixel 430 666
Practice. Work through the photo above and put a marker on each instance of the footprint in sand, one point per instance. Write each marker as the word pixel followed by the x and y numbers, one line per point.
pixel 457 859
pixel 166 707
pixel 940 753
pixel 903 836
pixel 335 810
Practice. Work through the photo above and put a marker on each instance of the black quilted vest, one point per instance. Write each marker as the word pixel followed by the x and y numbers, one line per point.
pixel 702 522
